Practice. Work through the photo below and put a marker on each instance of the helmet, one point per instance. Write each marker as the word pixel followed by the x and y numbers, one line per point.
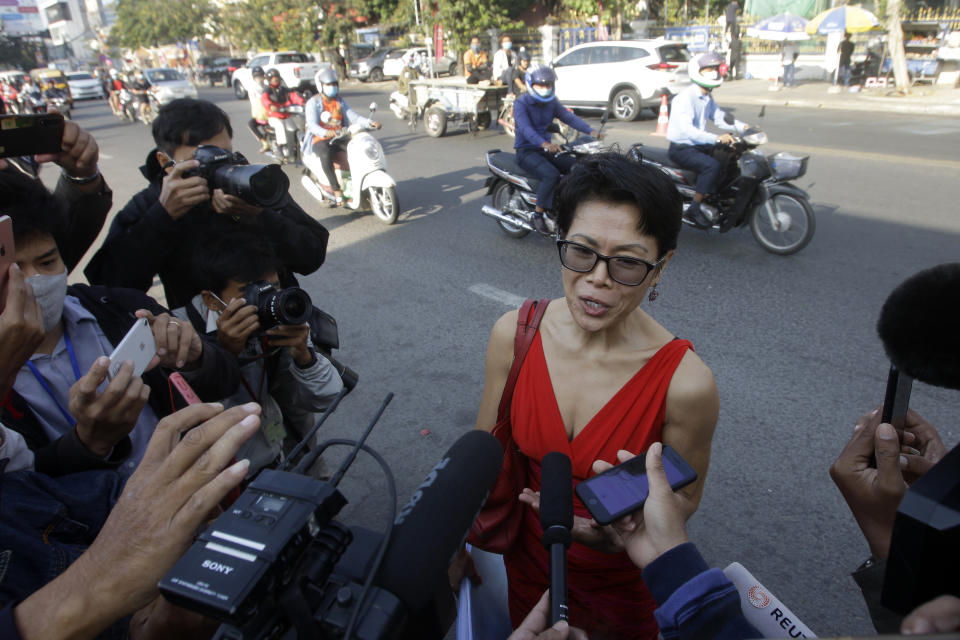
pixel 114 73
pixel 256 71
pixel 542 76
pixel 523 54
pixel 706 61
pixel 326 76
pixel 273 73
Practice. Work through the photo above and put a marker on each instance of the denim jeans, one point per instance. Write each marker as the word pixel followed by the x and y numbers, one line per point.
pixel 789 72
pixel 843 73
pixel 46 523
pixel 549 168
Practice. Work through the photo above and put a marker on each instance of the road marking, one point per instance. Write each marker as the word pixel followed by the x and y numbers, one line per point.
pixel 497 295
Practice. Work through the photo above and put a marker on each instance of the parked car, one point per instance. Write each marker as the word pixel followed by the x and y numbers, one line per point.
pixel 168 84
pixel 624 75
pixel 296 71
pixel 83 85
pixel 219 70
pixel 371 67
pixel 393 64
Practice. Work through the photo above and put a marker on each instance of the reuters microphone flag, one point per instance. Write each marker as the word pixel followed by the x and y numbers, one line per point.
pixel 764 611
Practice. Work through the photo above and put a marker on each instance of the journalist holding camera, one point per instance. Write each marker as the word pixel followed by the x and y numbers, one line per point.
pixel 243 306
pixel 199 189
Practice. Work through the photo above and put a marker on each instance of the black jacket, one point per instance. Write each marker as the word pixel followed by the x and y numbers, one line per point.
pixel 216 377
pixel 144 240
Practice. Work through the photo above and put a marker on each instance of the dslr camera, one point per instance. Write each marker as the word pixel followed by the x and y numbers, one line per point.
pixel 278 306
pixel 263 185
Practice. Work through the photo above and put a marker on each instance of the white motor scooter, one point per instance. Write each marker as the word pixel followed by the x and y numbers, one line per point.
pixel 361 171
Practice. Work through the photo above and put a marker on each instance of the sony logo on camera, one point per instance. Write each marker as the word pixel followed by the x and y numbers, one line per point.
pixel 216 566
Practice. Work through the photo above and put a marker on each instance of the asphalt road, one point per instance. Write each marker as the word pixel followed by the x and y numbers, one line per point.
pixel 791 340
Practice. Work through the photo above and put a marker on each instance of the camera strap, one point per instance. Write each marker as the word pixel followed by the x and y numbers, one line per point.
pixel 46 386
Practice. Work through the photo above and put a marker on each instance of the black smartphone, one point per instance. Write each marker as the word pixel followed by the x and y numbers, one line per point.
pixel 27 135
pixel 620 491
pixel 897 399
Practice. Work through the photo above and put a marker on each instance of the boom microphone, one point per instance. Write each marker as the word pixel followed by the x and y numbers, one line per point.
pixel 431 528
pixel 556 518
pixel 918 326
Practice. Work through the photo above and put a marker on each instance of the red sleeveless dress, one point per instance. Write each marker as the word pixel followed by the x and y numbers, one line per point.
pixel 606 594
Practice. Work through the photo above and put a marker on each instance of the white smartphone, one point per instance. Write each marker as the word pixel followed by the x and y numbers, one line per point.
pixel 137 346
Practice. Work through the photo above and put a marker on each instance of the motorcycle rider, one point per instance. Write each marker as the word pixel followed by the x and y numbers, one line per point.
pixel 276 98
pixel 536 153
pixel 116 86
pixel 140 89
pixel 258 112
pixel 691 145
pixel 31 97
pixel 319 134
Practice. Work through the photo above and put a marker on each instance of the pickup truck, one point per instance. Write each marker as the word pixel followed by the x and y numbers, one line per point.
pixel 296 71
pixel 213 70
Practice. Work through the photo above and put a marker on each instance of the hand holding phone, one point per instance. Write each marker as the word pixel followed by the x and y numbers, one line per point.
pixel 661 524
pixel 138 346
pixel 621 490
pixel 27 135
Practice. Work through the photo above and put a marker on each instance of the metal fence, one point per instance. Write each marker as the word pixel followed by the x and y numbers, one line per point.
pixel 530 39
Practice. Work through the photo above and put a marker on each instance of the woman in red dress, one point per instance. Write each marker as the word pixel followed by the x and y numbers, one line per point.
pixel 601 375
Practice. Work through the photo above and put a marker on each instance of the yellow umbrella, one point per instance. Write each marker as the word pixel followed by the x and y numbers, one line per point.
pixel 846 18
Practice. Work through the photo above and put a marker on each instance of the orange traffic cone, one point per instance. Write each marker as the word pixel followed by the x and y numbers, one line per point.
pixel 664 118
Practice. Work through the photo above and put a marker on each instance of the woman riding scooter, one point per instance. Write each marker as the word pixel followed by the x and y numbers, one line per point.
pixel 321 131
pixel 277 99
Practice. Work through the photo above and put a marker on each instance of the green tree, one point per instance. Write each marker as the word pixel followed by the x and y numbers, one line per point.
pixel 146 23
pixel 463 19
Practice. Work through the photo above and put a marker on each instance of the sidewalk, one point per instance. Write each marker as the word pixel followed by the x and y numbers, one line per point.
pixel 923 99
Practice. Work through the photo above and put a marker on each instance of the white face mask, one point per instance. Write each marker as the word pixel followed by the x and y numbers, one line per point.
pixel 543 92
pixel 50 292
pixel 507 45
pixel 713 74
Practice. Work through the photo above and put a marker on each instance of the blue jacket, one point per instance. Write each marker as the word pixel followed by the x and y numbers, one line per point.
pixel 695 601
pixel 532 118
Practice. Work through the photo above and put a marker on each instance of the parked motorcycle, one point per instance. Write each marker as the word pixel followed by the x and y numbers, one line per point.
pixel 285 141
pixel 754 189
pixel 514 190
pixel 361 171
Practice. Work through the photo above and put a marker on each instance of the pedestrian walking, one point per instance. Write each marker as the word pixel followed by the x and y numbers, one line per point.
pixel 788 58
pixel 846 53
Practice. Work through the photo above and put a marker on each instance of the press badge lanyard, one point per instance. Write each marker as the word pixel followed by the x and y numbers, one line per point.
pixel 46 386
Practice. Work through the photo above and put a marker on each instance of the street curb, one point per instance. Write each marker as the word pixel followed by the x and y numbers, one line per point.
pixel 882 105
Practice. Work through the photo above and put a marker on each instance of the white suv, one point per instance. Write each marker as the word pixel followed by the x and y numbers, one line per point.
pixel 625 75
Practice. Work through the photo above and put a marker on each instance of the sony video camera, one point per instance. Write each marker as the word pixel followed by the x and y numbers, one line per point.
pixel 263 185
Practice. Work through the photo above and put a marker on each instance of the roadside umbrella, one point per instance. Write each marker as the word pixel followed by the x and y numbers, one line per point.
pixel 847 18
pixel 780 28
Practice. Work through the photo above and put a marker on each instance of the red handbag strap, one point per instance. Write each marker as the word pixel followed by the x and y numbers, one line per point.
pixel 528 321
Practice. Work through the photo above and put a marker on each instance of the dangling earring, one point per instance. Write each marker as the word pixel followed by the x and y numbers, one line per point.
pixel 654 294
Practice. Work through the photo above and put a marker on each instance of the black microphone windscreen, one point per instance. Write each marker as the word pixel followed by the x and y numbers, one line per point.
pixel 556 491
pixel 433 525
pixel 920 329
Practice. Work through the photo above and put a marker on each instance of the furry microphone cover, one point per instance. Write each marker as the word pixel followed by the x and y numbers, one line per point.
pixel 920 326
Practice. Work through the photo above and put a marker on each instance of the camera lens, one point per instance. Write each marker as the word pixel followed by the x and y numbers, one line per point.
pixel 265 185
pixel 289 306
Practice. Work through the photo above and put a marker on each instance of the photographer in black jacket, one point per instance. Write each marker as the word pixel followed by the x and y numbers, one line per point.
pixel 163 226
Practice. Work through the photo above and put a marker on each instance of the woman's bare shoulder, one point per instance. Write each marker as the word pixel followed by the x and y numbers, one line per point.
pixel 692 381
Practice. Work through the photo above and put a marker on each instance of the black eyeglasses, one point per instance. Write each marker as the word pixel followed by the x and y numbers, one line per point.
pixel 582 259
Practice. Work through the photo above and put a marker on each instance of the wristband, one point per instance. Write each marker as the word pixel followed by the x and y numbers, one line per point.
pixel 80 181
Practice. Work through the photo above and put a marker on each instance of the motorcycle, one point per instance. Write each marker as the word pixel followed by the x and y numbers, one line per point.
pixel 361 171
pixel 286 141
pixel 505 116
pixel 61 103
pixel 514 191
pixel 754 190
pixel 32 102
pixel 128 106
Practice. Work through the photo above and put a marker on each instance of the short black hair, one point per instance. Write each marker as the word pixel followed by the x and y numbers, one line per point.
pixel 32 208
pixel 234 255
pixel 615 178
pixel 187 121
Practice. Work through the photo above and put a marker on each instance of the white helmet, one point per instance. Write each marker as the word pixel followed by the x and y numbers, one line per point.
pixel 326 75
pixel 710 59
